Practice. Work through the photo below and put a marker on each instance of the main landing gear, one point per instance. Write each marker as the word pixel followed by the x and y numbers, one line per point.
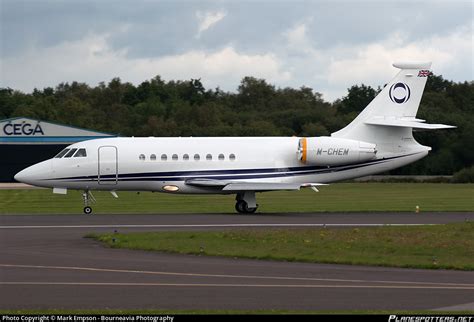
pixel 246 202
pixel 88 199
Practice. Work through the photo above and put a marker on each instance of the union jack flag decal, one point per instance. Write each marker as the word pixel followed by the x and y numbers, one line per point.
pixel 424 73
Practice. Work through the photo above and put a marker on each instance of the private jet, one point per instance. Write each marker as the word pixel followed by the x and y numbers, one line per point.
pixel 379 139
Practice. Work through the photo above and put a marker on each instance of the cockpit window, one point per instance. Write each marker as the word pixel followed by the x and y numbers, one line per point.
pixel 70 153
pixel 62 153
pixel 80 153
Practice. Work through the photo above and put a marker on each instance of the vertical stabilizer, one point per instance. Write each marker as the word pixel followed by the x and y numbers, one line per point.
pixel 387 120
pixel 400 98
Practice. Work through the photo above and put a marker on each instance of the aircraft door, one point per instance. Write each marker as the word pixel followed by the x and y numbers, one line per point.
pixel 108 165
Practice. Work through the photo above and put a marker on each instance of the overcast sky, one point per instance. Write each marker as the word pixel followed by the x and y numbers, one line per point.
pixel 325 45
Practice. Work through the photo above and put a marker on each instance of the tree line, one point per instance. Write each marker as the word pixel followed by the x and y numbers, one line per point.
pixel 186 108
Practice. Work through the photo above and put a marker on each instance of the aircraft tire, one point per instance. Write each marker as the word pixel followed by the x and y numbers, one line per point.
pixel 242 207
pixel 87 210
pixel 250 210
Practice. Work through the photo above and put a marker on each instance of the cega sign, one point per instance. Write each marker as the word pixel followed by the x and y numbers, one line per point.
pixel 23 128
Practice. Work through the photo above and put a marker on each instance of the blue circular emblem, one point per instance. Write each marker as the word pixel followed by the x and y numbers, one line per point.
pixel 399 93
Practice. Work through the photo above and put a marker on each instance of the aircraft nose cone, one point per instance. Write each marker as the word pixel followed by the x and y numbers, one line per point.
pixel 36 174
pixel 23 175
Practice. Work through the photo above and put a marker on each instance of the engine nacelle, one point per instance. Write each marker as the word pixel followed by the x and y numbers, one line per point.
pixel 328 151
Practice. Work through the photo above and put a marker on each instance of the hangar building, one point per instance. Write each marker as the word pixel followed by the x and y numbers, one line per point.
pixel 25 141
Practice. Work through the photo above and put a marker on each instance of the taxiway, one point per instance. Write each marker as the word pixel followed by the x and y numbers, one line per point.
pixel 46 263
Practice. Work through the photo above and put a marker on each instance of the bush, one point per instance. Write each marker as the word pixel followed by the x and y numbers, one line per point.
pixel 464 176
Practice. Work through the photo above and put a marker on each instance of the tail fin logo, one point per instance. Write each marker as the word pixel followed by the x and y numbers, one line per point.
pixel 399 93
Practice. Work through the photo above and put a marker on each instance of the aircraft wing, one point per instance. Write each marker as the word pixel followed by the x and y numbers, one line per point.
pixel 226 185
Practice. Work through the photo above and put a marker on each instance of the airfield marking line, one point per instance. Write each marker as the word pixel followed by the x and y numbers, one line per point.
pixel 106 270
pixel 236 285
pixel 208 226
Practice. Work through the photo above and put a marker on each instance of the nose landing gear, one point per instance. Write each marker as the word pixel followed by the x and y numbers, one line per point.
pixel 88 199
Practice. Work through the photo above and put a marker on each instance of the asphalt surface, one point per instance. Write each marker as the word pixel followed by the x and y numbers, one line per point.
pixel 46 263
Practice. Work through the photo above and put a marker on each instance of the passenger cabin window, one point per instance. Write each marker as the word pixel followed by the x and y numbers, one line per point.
pixel 141 157
pixel 175 157
pixel 232 157
pixel 153 157
pixel 81 153
pixel 221 157
pixel 209 157
pixel 164 157
pixel 186 157
pixel 197 157
pixel 62 153
pixel 70 153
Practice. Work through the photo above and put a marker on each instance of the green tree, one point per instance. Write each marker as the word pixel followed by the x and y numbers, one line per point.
pixel 357 98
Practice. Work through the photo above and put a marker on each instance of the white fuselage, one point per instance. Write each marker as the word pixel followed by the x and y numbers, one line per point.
pixel 139 164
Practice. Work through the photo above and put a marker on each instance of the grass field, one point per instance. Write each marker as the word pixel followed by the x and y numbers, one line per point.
pixel 343 197
pixel 441 246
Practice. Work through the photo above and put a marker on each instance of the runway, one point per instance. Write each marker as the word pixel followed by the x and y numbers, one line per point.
pixel 46 263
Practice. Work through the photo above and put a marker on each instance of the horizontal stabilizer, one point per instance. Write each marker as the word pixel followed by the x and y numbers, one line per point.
pixel 412 65
pixel 413 123
pixel 236 186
